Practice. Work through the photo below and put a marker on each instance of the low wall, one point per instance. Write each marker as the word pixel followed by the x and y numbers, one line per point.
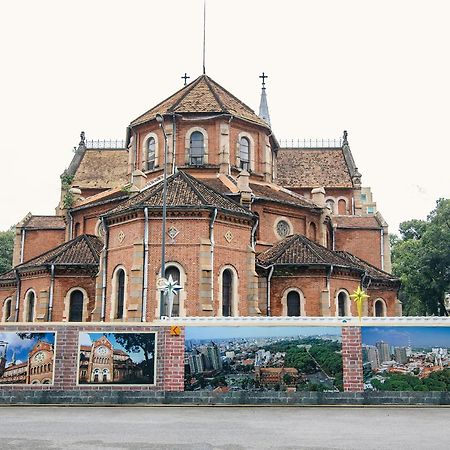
pixel 229 362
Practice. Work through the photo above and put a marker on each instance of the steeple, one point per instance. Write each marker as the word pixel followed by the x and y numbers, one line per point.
pixel 263 108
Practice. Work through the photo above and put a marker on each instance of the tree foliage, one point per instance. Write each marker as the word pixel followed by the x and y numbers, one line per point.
pixel 421 259
pixel 6 249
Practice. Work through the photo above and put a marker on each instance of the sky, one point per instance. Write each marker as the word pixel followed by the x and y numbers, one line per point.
pixel 377 69
pixel 251 332
pixel 401 336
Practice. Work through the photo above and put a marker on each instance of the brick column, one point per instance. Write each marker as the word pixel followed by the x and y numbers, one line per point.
pixel 173 361
pixel 352 359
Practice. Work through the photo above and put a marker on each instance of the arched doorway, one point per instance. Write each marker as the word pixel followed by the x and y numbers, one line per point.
pixel 293 304
pixel 76 306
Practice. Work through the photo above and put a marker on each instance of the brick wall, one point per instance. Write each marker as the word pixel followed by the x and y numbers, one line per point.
pixel 352 359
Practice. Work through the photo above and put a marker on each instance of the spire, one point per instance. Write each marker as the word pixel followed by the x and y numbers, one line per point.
pixel 263 107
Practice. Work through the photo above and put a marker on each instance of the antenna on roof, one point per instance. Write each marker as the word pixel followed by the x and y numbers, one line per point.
pixel 204 34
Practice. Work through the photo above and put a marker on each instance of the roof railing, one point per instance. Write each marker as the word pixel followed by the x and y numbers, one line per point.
pixel 105 143
pixel 311 143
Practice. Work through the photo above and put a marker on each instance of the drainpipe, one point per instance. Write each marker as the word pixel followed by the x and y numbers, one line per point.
pixel 105 251
pixel 145 268
pixel 52 289
pixel 255 226
pixel 22 245
pixel 269 277
pixel 382 248
pixel 211 238
pixel 16 273
pixel 70 225
pixel 174 143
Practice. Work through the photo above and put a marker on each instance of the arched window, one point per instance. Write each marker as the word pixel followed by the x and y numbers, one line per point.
pixel 312 231
pixel 227 293
pixel 244 153
pixel 342 304
pixel 342 207
pixel 175 273
pixel 379 308
pixel 196 148
pixel 7 309
pixel 77 229
pixel 330 204
pixel 76 306
pixel 293 304
pixel 151 153
pixel 30 307
pixel 120 294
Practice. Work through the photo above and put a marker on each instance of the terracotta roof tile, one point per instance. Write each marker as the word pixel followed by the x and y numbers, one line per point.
pixel 183 191
pixel 102 169
pixel 7 276
pixel 83 250
pixel 310 168
pixel 203 95
pixel 360 222
pixel 44 223
pixel 276 194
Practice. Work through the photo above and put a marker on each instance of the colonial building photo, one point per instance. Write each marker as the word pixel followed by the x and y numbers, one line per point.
pixel 202 195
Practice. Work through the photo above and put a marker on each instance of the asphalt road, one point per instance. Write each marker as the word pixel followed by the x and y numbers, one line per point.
pixel 224 428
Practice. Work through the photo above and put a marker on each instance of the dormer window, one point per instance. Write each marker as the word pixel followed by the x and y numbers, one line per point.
pixel 244 153
pixel 151 152
pixel 196 149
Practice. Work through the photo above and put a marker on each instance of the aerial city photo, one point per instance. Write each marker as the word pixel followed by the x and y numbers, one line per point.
pixel 406 359
pixel 223 359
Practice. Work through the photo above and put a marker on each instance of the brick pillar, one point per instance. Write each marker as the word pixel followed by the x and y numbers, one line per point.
pixel 173 361
pixel 352 359
pixel 66 358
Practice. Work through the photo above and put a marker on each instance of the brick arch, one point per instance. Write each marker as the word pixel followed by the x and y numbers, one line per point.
pixel 235 290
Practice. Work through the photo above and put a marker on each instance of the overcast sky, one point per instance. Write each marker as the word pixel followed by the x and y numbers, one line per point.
pixel 378 69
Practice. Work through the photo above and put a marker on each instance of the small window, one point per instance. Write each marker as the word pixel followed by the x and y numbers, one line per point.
pixel 370 210
pixel 244 153
pixel 293 304
pixel 283 228
pixel 7 313
pixel 175 273
pixel 120 293
pixel 30 311
pixel 380 308
pixel 196 149
pixel 342 304
pixel 151 152
pixel 76 306
pixel 227 293
pixel 363 197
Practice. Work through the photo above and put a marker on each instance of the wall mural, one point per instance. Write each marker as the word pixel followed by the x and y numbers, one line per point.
pixel 117 358
pixel 27 358
pixel 224 359
pixel 406 358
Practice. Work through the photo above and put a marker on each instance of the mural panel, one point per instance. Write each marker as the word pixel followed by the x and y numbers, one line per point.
pixel 117 358
pixel 224 359
pixel 27 358
pixel 406 358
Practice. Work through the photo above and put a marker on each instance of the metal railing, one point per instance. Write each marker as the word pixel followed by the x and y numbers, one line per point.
pixel 311 143
pixel 105 143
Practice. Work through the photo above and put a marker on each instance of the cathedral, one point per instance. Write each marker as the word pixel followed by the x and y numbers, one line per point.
pixel 201 193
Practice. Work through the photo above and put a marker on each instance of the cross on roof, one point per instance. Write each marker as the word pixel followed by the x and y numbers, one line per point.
pixel 185 77
pixel 263 76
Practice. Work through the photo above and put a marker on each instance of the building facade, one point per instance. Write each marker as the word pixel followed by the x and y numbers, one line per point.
pixel 252 228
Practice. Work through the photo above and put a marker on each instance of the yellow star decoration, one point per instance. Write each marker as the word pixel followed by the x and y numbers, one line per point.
pixel 359 296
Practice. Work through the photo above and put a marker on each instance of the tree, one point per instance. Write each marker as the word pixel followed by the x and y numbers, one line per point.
pixel 421 259
pixel 6 249
pixel 136 342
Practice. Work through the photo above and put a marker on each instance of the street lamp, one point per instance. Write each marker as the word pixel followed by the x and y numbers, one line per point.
pixel 160 120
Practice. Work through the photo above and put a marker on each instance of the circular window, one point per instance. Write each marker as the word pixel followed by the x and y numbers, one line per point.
pixel 283 228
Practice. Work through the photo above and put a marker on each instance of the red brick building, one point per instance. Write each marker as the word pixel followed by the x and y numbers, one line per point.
pixel 251 229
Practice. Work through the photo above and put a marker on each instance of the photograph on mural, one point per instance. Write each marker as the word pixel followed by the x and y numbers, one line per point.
pixel 117 358
pixel 406 358
pixel 224 359
pixel 27 358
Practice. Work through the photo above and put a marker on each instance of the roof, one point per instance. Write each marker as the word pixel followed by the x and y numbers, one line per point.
pixel 7 276
pixel 183 191
pixel 43 223
pixel 299 250
pixel 83 250
pixel 203 95
pixel 359 222
pixel 310 168
pixel 101 169
pixel 102 198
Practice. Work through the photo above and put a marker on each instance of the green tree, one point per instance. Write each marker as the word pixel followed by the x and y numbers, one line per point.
pixel 421 259
pixel 6 249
